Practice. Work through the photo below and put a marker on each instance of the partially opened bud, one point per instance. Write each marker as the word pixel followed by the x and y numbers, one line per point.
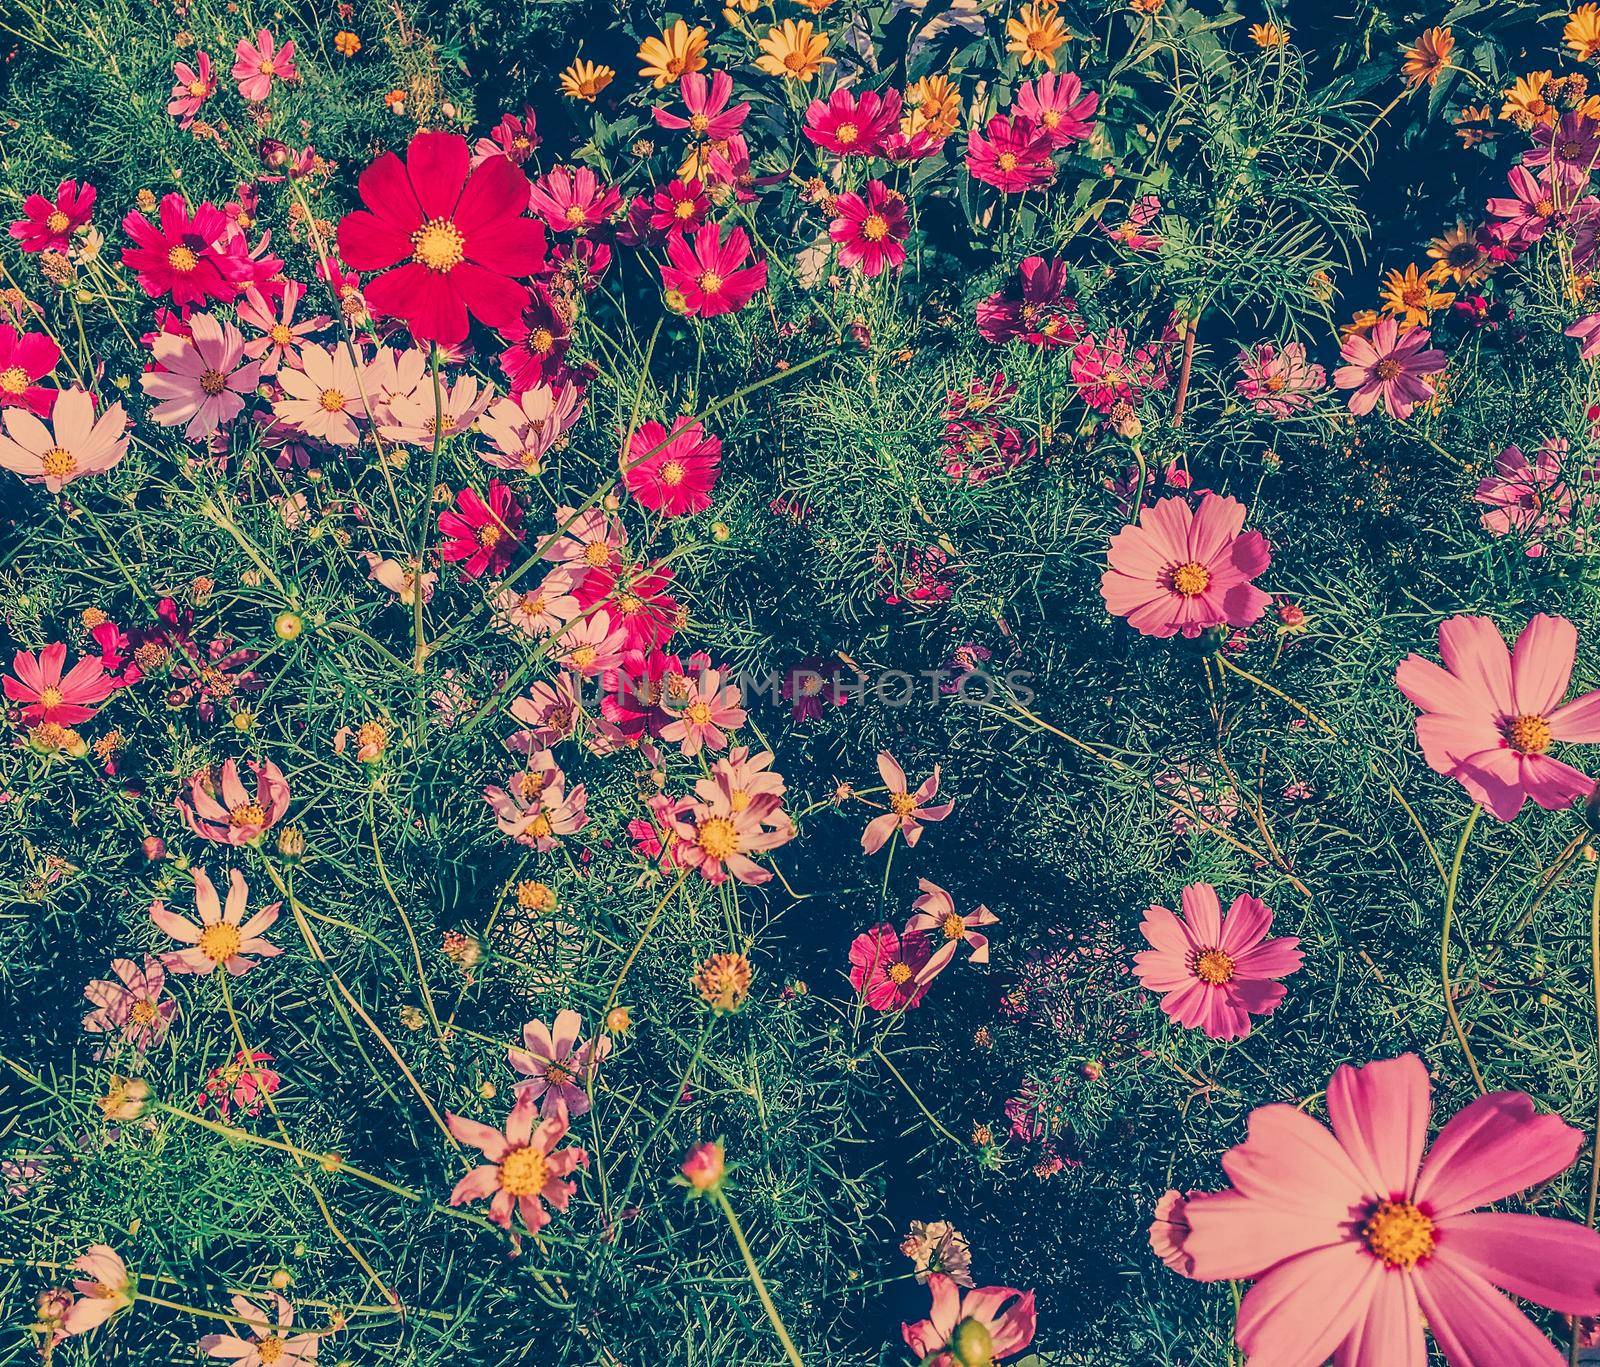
pixel 705 1166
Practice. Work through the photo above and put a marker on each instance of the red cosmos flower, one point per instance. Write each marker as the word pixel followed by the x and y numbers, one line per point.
pixel 187 256
pixel 47 696
pixel 455 237
pixel 46 225
pixel 885 967
pixel 869 230
pixel 514 138
pixel 484 535
pixel 672 475
pixel 709 117
pixel 709 273
pixel 572 199
pixel 679 206
pixel 849 127
pixel 24 358
pixel 1011 154
pixel 1032 308
pixel 539 339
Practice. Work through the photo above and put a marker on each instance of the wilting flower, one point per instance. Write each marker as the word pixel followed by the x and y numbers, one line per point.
pixel 672 474
pixel 1032 307
pixel 982 1326
pixel 224 938
pixel 870 228
pixel 937 918
pixel 525 1170
pixel 104 1290
pixel 559 1067
pixel 244 1081
pixel 240 818
pixel 202 377
pixel 708 273
pixel 1355 1238
pixel 47 225
pixel 907 809
pixel 1214 971
pixel 1490 716
pixel 133 1004
pixel 269 1345
pixel 936 1246
pixel 678 51
pixel 48 695
pixel 888 969
pixel 400 580
pixel 536 806
pixel 1279 383
pixel 1183 570
pixel 449 240
pixel 257 64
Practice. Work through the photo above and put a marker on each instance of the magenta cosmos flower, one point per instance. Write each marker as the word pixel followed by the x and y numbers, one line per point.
pixel 572 199
pixel 239 817
pixel 1214 972
pixel 132 1003
pixel 852 127
pixel 907 809
pixel 710 116
pixel 1032 307
pixel 449 241
pixel 47 225
pixel 989 1324
pixel 49 695
pixel 185 255
pixel 887 968
pixel 672 474
pixel 224 938
pixel 1060 106
pixel 1390 365
pixel 1355 1239
pixel 936 916
pixel 525 1170
pixel 1185 570
pixel 26 358
pixel 192 86
pixel 869 229
pixel 708 274
pixel 256 65
pixel 269 1343
pixel 1490 716
pixel 1011 154
pixel 482 535
pixel 559 1068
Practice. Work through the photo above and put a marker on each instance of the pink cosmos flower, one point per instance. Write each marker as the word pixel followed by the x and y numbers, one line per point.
pixel 185 256
pixel 540 611
pixel 1279 383
pixel 550 711
pixel 400 579
pixel 244 1081
pixel 1011 154
pixel 525 1170
pixel 705 714
pixel 1356 1240
pixel 1213 972
pixel 415 418
pixel 1587 331
pixel 47 695
pixel 515 138
pixel 224 938
pixel 559 1067
pixel 239 818
pixel 26 357
pixel 679 205
pixel 323 397
pixel 203 377
pixel 47 225
pixel 450 241
pixel 1185 570
pixel 672 475
pixel 256 65
pixel 1109 370
pixel 528 426
pixel 192 87
pixel 870 229
pixel 269 1345
pixel 1489 716
pixel 591 645
pixel 281 344
pixel 104 1290
pixel 850 127
pixel 483 536
pixel 889 970
pixel 572 199
pixel 709 273
pixel 710 117
pixel 1060 106
pixel 1032 308
pixel 1538 203
pixel 133 1004
pixel 937 918
pixel 715 832
pixel 1130 233
pixel 907 809
pixel 536 806
pixel 1388 365
pixel 996 1322
pixel 1527 497
pixel 587 541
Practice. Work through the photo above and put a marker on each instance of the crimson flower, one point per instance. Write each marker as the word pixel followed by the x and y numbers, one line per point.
pixel 709 273
pixel 186 255
pixel 484 535
pixel 47 225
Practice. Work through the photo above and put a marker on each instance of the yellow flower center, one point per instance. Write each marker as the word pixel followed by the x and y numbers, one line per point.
pixel 698 123
pixel 523 1172
pixel 220 942
pixel 1399 1233
pixel 213 382
pixel 1544 208
pixel 57 462
pixel 332 401
pixel 672 474
pixel 540 828
pixel 50 697
pixel 900 974
pixel 197 89
pixel 597 554
pixel 684 208
pixel 540 341
pixel 438 245
pixel 1007 161
pixel 875 228
pixel 58 222
pixel 266 67
pixel 488 536
pixel 182 259
pixel 698 714
pixel 247 814
pixel 144 1012
pixel 710 282
pixel 13 380
pixel 718 837
pixel 575 214
pixel 1190 579
pixel 1528 734
pixel 280 334
pixel 1214 967
pixel 952 927
pixel 902 804
pixel 1051 118
pixel 584 656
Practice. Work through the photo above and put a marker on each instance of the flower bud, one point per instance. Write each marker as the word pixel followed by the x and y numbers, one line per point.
pixel 154 847
pixel 704 1166
pixel 972 1345
pixel 292 844
pixel 288 625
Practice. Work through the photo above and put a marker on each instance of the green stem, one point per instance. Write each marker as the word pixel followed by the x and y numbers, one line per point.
pixel 761 1286
pixel 1444 948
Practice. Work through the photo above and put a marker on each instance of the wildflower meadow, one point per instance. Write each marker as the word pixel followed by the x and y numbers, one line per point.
pixel 822 684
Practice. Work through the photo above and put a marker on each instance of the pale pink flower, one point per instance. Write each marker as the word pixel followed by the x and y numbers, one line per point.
pixel 202 377
pixel 1390 365
pixel 525 1170
pixel 79 444
pixel 907 809
pixel 192 86
pixel 256 64
pixel 1214 972
pixel 268 1344
pixel 535 806
pixel 559 1067
pixel 1525 496
pixel 591 540
pixel 999 1320
pixel 133 1004
pixel 323 397
pixel 1184 570
pixel 413 418
pixel 937 1246
pixel 1279 382
pixel 395 377
pixel 281 344
pixel 704 715
pixel 1356 1240
pixel 550 710
pixel 400 579
pixel 541 611
pixel 239 818
pixel 224 938
pixel 104 1290
pixel 937 918
pixel 528 426
pixel 743 779
pixel 1587 332
pixel 1490 716
pixel 715 835
pixel 591 645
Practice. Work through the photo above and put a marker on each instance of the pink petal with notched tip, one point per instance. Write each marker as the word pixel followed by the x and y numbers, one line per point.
pixel 1474 1325
pixel 1390 1333
pixel 1541 664
pixel 1291 1160
pixel 1491 1149
pixel 1379 1113
pixel 1203 912
pixel 1554 1263
pixel 1475 652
